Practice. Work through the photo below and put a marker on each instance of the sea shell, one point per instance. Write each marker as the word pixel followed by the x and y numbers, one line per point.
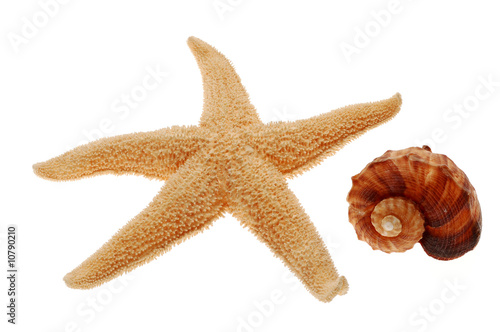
pixel 414 195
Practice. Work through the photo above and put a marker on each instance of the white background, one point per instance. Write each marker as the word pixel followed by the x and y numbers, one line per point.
pixel 63 80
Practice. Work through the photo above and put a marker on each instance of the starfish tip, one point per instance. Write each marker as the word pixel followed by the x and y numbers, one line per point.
pixel 201 49
pixel 193 41
pixel 398 97
pixel 68 280
pixel 343 286
pixel 38 169
pixel 42 170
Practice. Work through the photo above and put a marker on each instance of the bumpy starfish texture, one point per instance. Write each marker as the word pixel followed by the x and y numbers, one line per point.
pixel 230 162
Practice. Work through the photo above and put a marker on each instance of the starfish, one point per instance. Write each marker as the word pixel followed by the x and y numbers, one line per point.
pixel 231 162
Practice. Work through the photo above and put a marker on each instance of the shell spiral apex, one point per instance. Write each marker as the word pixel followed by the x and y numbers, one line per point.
pixel 414 195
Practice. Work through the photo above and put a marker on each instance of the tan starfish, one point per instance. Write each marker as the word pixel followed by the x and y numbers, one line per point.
pixel 230 162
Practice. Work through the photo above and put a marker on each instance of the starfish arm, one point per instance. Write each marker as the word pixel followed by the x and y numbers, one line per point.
pixel 226 102
pixel 295 147
pixel 187 204
pixel 261 200
pixel 155 155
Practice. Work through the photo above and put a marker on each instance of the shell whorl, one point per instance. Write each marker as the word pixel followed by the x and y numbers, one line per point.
pixel 424 197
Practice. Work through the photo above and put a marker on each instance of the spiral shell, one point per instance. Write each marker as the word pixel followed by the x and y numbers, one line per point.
pixel 414 195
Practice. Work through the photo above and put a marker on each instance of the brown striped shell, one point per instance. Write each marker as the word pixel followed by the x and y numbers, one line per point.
pixel 414 195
